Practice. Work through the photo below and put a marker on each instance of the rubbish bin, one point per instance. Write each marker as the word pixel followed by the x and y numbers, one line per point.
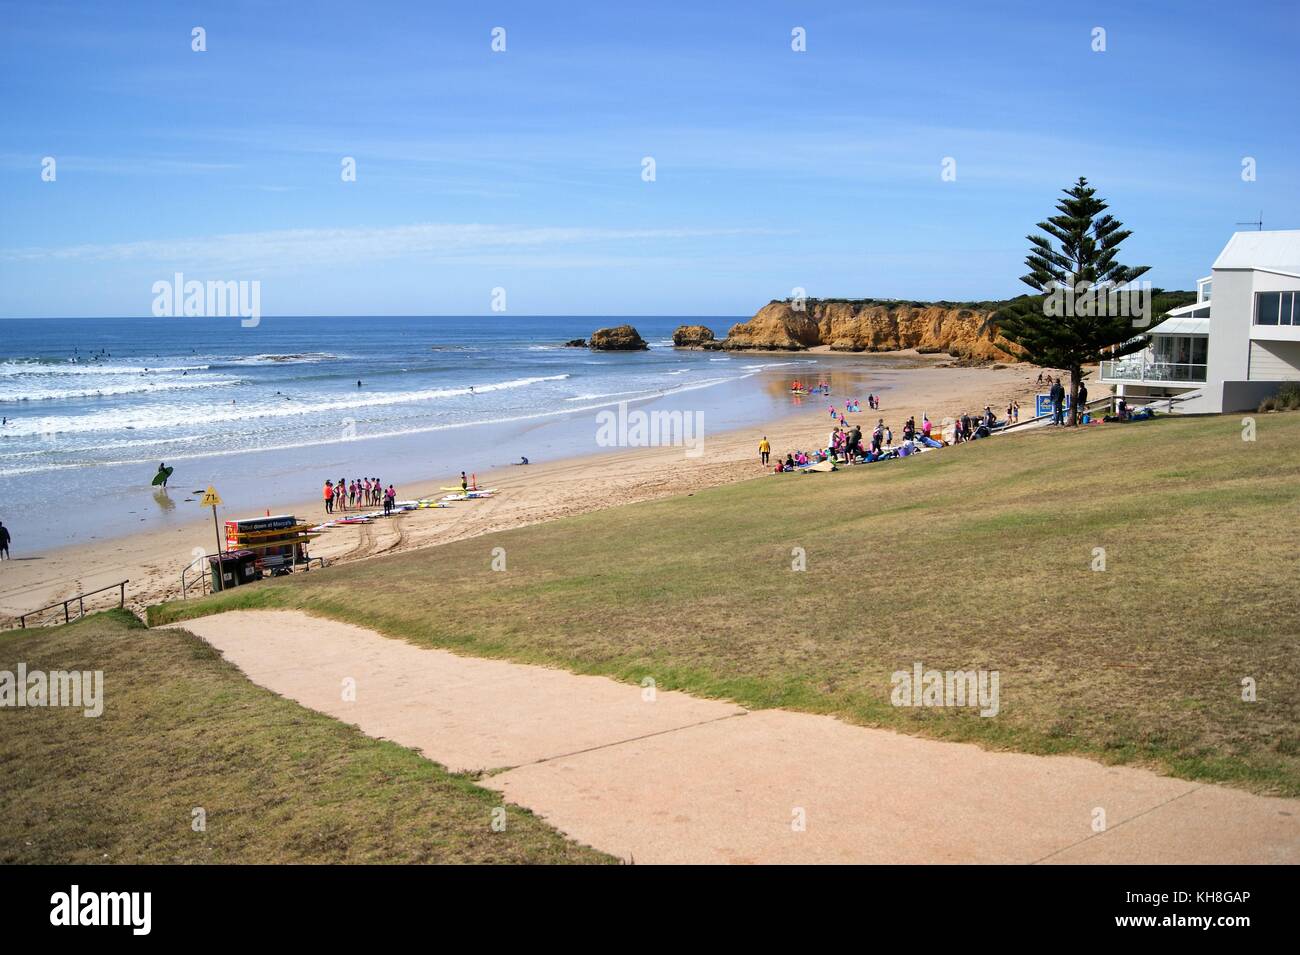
pixel 224 571
pixel 249 567
pixel 234 568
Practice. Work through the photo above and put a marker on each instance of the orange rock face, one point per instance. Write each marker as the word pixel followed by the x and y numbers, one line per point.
pixel 846 326
pixel 618 338
pixel 689 336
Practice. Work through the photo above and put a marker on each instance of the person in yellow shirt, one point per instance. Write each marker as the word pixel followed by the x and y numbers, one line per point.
pixel 764 449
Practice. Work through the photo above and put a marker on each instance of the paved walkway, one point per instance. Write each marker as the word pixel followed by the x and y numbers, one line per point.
pixel 681 779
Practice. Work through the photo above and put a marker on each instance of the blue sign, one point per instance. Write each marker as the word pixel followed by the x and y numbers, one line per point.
pixel 1043 405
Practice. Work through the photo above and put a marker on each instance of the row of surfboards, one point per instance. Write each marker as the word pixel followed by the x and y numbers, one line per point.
pixel 423 503
pixel 468 495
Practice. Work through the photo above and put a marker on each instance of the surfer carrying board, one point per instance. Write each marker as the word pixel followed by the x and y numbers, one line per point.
pixel 164 472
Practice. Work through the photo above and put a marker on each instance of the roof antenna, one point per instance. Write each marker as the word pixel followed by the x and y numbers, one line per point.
pixel 1258 223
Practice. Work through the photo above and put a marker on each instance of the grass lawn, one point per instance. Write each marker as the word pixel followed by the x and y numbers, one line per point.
pixel 978 557
pixel 181 729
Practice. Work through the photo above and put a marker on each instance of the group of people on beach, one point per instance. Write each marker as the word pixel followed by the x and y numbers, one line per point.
pixel 846 444
pixel 852 406
pixel 357 494
pixel 967 427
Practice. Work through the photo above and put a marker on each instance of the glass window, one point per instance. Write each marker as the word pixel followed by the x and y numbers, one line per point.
pixel 1289 317
pixel 1198 350
pixel 1206 288
pixel 1268 305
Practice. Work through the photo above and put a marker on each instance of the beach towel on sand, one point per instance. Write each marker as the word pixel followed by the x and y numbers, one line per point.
pixel 822 466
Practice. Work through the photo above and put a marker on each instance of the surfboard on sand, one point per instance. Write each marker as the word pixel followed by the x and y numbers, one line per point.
pixel 162 475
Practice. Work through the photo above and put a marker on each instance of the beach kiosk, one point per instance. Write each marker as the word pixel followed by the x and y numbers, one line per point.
pixel 277 543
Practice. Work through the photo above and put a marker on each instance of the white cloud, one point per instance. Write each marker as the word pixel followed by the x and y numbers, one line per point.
pixel 293 247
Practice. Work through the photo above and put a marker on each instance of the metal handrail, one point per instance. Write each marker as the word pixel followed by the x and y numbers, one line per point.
pixel 81 603
pixel 204 580
pixel 1152 370
pixel 1151 401
pixel 1047 417
pixel 203 577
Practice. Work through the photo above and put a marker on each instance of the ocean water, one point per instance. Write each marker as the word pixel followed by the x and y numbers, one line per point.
pixel 92 406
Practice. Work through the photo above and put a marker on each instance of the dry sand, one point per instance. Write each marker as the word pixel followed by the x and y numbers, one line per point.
pixel 542 491
pixel 668 778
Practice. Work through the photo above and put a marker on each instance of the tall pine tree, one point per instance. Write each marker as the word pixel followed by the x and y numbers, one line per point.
pixel 1056 330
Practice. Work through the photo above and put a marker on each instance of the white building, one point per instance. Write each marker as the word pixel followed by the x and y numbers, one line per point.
pixel 1236 344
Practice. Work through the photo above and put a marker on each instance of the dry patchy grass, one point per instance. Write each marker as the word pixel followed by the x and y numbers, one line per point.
pixel 977 557
pixel 182 728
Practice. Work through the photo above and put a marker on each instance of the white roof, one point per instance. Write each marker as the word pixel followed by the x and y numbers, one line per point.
pixel 1188 309
pixel 1182 326
pixel 1277 251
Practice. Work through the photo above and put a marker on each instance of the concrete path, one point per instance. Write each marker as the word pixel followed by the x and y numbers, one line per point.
pixel 666 777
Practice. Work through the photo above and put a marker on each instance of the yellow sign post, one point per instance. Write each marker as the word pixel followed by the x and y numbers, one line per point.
pixel 211 499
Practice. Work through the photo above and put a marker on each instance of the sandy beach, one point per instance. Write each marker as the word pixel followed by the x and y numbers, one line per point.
pixel 544 490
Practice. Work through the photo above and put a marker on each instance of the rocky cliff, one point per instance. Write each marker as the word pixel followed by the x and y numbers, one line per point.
pixel 870 326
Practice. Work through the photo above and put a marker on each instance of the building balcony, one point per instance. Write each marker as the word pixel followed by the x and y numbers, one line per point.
pixel 1143 370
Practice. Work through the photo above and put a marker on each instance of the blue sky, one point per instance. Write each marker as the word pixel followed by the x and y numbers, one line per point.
pixel 523 169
